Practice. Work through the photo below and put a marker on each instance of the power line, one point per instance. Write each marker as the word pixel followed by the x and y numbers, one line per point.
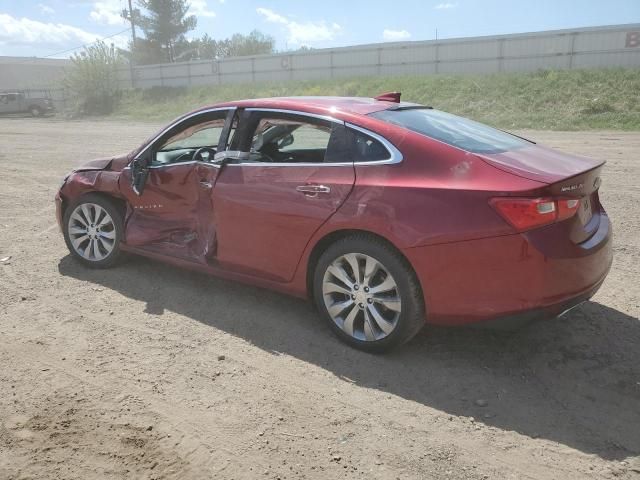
pixel 86 44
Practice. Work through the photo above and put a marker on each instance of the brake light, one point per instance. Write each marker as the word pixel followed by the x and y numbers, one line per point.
pixel 528 213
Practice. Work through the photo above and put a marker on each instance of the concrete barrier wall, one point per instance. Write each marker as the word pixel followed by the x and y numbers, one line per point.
pixel 596 47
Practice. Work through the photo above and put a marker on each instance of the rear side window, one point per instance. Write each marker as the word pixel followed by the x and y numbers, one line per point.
pixel 365 148
pixel 457 131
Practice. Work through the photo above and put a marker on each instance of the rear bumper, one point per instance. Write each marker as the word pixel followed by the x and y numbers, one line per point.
pixel 509 277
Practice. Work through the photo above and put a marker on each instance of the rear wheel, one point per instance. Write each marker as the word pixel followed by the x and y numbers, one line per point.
pixel 93 230
pixel 369 293
pixel 35 111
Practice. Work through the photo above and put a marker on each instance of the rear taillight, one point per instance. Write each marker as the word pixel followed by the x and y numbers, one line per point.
pixel 528 213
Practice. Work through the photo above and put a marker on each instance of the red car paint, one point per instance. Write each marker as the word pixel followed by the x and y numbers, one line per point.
pixel 250 223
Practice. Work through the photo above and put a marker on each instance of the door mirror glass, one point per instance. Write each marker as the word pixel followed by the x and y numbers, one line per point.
pixel 139 173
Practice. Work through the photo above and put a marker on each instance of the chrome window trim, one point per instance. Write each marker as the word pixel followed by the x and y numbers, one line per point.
pixel 201 162
pixel 394 153
pixel 283 164
pixel 395 156
pixel 174 124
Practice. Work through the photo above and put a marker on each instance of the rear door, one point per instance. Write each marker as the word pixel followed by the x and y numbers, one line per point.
pixel 268 206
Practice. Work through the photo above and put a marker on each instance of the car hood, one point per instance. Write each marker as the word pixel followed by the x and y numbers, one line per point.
pixel 115 163
pixel 541 164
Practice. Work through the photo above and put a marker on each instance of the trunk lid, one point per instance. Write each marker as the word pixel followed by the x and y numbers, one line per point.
pixel 541 164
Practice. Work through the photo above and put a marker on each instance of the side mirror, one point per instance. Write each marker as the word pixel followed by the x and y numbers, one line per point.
pixel 139 173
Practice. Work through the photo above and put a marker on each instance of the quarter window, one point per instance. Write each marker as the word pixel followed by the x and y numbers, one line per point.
pixel 366 148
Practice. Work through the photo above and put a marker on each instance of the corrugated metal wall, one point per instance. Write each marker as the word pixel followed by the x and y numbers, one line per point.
pixel 597 47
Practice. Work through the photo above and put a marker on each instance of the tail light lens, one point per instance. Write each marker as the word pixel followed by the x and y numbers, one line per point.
pixel 527 213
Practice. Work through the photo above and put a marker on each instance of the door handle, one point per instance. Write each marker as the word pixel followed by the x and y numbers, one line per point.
pixel 313 190
pixel 205 184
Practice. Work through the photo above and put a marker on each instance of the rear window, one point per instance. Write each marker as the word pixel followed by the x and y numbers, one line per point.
pixel 457 131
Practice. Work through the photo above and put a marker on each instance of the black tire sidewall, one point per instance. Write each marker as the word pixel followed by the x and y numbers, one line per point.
pixel 412 317
pixel 113 257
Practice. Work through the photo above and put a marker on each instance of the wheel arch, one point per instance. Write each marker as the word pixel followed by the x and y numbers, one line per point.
pixel 330 238
pixel 119 203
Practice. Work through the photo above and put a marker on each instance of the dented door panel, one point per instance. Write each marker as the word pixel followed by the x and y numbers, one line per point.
pixel 173 214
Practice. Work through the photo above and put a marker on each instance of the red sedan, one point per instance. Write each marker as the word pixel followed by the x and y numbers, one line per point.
pixel 387 214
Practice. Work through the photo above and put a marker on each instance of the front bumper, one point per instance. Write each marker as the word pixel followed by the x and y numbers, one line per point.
pixel 509 276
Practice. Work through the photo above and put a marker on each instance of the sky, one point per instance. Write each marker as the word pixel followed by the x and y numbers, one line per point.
pixel 52 28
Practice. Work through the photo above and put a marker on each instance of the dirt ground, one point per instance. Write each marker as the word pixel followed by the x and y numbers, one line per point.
pixel 146 371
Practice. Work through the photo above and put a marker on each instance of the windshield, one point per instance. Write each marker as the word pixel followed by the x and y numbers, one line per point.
pixel 457 131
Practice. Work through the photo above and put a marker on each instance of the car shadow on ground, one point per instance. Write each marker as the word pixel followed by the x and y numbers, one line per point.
pixel 574 380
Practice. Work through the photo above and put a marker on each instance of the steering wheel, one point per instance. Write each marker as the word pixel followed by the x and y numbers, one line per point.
pixel 199 151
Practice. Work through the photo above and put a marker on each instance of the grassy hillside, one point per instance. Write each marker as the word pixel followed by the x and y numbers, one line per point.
pixel 555 100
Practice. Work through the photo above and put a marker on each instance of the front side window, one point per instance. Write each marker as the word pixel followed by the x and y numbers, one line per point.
pixel 456 131
pixel 182 145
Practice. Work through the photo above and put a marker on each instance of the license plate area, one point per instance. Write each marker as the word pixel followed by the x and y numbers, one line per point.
pixel 584 211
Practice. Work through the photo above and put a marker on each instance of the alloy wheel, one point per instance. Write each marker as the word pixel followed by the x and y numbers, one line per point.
pixel 92 232
pixel 361 297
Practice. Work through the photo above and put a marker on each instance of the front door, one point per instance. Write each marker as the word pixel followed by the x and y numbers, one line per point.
pixel 269 205
pixel 173 213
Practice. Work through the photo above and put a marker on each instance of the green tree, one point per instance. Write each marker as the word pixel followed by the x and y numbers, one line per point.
pixel 93 79
pixel 164 24
pixel 256 43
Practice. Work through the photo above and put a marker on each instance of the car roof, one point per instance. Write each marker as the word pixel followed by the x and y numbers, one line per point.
pixel 322 105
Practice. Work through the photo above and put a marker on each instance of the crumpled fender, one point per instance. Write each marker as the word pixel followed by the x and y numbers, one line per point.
pixel 115 163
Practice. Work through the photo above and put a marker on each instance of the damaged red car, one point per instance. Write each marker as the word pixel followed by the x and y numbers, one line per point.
pixel 387 214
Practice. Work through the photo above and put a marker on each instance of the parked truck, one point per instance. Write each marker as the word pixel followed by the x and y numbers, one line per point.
pixel 19 102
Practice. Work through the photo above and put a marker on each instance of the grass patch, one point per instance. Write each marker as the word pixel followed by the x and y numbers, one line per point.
pixel 547 99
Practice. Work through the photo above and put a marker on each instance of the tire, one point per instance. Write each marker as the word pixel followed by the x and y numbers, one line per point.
pixel 35 111
pixel 99 245
pixel 371 298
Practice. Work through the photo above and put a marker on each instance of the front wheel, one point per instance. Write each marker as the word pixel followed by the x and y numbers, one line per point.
pixel 35 111
pixel 92 231
pixel 369 293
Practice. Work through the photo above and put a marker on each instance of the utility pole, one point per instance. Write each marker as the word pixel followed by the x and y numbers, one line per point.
pixel 133 45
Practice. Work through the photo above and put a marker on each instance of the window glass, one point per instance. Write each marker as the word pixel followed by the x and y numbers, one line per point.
pixel 181 146
pixel 457 131
pixel 368 149
pixel 290 140
pixel 204 134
